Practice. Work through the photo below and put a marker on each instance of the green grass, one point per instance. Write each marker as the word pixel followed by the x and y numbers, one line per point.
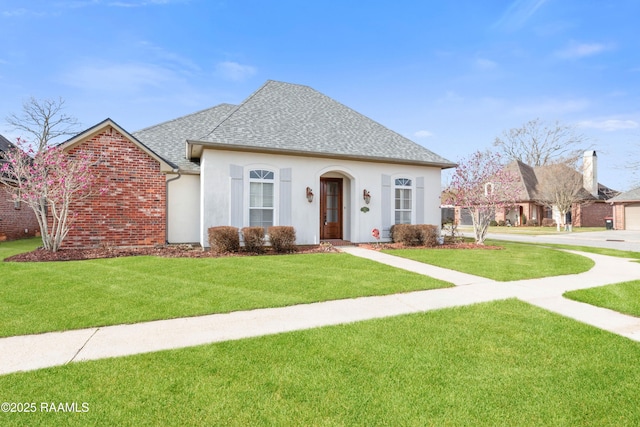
pixel 55 296
pixel 496 364
pixel 621 297
pixel 601 251
pixel 15 247
pixel 515 262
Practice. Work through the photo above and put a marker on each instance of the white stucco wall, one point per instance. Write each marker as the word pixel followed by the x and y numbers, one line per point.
pixel 183 209
pixel 216 183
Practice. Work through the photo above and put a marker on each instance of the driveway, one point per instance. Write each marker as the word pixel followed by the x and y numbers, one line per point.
pixel 613 239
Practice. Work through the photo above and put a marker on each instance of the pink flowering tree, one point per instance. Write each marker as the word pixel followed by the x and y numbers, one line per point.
pixel 49 181
pixel 483 185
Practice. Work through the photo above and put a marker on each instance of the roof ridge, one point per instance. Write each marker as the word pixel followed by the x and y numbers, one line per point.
pixel 234 110
pixel 182 117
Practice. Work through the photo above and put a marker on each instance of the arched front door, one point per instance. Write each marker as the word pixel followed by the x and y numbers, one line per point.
pixel 330 208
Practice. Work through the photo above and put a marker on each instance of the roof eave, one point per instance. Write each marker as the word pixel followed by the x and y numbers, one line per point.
pixel 195 149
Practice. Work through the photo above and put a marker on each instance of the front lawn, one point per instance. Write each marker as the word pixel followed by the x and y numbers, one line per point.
pixel 515 262
pixel 56 296
pixel 501 363
pixel 621 297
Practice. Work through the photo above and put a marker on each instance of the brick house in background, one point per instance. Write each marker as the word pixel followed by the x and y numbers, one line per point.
pixel 287 155
pixel 626 210
pixel 591 213
pixel 17 220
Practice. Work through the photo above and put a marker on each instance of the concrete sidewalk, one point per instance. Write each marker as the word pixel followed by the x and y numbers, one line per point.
pixel 22 353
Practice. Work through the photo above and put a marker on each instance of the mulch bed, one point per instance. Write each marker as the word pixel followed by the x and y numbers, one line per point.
pixel 189 251
pixel 169 251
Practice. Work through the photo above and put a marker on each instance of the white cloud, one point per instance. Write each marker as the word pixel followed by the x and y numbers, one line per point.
pixel 423 134
pixel 235 71
pixel 118 77
pixel 581 50
pixel 14 12
pixel 485 64
pixel 518 13
pixel 552 107
pixel 609 125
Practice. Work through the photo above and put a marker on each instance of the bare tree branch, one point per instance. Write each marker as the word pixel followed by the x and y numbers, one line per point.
pixel 44 120
pixel 561 187
pixel 538 144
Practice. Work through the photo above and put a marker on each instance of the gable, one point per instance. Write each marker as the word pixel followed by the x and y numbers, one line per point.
pixel 108 126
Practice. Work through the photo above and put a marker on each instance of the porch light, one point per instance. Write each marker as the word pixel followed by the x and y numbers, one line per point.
pixel 366 196
pixel 309 195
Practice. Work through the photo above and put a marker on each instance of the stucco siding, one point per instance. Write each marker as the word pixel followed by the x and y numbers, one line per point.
pixel 184 209
pixel 215 192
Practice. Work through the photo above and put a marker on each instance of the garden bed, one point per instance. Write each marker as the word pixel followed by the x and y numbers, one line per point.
pixel 169 251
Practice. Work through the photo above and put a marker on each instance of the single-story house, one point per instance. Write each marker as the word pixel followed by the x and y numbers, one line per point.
pixel 626 210
pixel 529 210
pixel 17 220
pixel 287 155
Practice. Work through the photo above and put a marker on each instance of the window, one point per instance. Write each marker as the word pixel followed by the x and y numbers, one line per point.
pixel 403 201
pixel 261 187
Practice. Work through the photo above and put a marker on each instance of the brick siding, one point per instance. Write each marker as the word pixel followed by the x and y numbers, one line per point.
pixel 14 222
pixel 132 212
pixel 618 217
pixel 591 215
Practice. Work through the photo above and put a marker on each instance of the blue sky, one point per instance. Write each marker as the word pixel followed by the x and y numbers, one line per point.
pixel 450 75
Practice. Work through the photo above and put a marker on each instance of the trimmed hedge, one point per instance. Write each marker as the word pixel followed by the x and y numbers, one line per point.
pixel 548 222
pixel 282 238
pixel 415 234
pixel 428 234
pixel 224 239
pixel 253 239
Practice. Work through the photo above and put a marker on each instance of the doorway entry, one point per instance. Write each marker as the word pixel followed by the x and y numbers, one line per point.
pixel 330 208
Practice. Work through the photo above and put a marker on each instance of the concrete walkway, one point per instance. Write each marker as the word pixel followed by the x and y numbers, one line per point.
pixel 23 353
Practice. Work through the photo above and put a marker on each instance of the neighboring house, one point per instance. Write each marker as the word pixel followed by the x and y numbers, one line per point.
pixel 17 220
pixel 287 155
pixel 626 210
pixel 591 213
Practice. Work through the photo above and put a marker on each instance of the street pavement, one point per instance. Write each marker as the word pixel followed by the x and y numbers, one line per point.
pixel 623 240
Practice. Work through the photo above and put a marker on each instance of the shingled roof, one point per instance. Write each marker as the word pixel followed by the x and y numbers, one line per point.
pixel 285 118
pixel 627 196
pixel 531 177
pixel 168 139
pixel 5 144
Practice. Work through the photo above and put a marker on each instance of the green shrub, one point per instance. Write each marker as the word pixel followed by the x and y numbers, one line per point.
pixel 224 239
pixel 282 238
pixel 253 239
pixel 502 223
pixel 493 223
pixel 524 219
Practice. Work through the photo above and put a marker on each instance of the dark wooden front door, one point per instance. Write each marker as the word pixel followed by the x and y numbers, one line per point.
pixel 331 208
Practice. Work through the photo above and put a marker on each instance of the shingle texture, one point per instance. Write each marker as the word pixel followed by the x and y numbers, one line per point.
pixel 288 118
pixel 168 139
pixel 532 177
pixel 628 196
pixel 5 144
